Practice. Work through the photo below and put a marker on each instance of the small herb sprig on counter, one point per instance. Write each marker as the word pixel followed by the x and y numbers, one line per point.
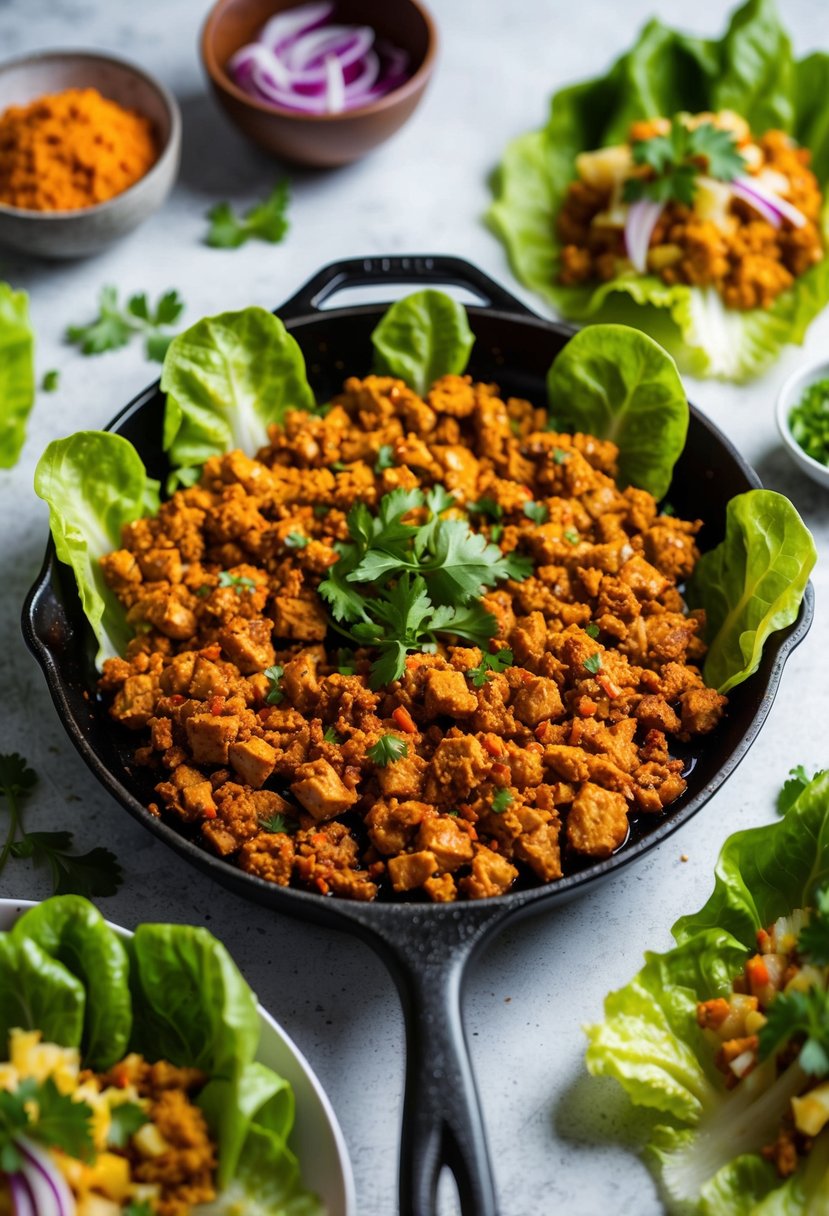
pixel 115 326
pixel 96 873
pixel 677 160
pixel 266 221
pixel 398 585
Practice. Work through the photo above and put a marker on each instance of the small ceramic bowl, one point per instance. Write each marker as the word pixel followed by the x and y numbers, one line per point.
pixel 74 234
pixel 317 1138
pixel 324 140
pixel 789 396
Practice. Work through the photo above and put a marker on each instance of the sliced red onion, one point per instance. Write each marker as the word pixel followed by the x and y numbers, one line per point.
pixel 22 1201
pixel 303 62
pixel 641 220
pixel 765 200
pixel 49 1189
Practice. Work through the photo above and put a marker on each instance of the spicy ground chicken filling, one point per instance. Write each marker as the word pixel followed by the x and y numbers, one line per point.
pixel 707 233
pixel 265 729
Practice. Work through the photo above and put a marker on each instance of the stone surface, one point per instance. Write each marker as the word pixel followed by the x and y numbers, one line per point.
pixel 556 1137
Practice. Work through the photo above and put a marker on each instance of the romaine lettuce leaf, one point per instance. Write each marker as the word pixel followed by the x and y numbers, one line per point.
pixel 227 378
pixel 706 1155
pixel 17 373
pixel 751 584
pixel 94 483
pixel 750 70
pixel 616 383
pixel 72 931
pixel 422 337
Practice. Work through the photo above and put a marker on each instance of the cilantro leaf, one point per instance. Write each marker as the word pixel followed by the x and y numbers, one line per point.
pixel 496 532
pixel 296 540
pixel 813 938
pixel 537 512
pixel 486 506
pixel 275 694
pixel 490 663
pixel 471 622
pixel 50 381
pixel 114 326
pixel 239 582
pixel 279 824
pixel 266 221
pixel 390 665
pixel 560 456
pixel 593 664
pixel 16 778
pixel 125 1120
pixel 138 1209
pixel 93 874
pixel 61 1122
pixel 331 736
pixel 385 458
pixel 387 749
pixel 677 160
pixel 592 630
pixel 502 800
pixel 572 537
pixel 792 1015
pixel 346 602
pixel 793 787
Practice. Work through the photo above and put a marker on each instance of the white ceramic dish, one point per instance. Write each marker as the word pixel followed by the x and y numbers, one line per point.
pixel 317 1138
pixel 789 395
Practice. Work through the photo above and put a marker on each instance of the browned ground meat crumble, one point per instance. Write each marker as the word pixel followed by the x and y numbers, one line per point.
pixel 578 751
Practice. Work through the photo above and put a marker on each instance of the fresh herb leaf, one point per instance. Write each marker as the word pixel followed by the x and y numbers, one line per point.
pixel 813 938
pixel 679 158
pixel 320 510
pixel 387 749
pixel 792 1015
pixel 114 326
pixel 279 824
pixel 486 506
pixel 490 663
pixel 138 1209
pixel 296 540
pixel 495 533
pixel 592 629
pixel 331 736
pixel 39 1110
pixel 667 509
pixel 93 874
pixel 502 800
pixel 793 787
pixel 537 512
pixel 266 221
pixel 275 694
pixel 593 664
pixel 560 456
pixel 125 1120
pixel 385 458
pixel 50 381
pixel 239 582
pixel 572 537
pixel 346 661
pixel 203 591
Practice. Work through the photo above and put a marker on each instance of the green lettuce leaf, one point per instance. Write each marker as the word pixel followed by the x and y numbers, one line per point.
pixel 72 931
pixel 751 584
pixel 422 337
pixel 17 373
pixel 616 383
pixel 38 993
pixel 706 1153
pixel 94 483
pixel 750 70
pixel 227 378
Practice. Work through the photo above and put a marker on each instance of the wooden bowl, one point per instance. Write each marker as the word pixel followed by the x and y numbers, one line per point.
pixel 312 139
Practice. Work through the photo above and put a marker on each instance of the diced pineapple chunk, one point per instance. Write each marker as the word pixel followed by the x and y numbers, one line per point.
pixel 811 1112
pixel 97 1205
pixel 39 1060
pixel 711 203
pixel 111 1175
pixel 149 1141
pixel 605 167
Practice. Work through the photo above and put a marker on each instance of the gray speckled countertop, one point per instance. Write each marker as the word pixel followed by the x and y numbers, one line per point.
pixel 555 1136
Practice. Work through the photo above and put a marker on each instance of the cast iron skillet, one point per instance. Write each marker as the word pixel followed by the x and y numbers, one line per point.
pixel 426 946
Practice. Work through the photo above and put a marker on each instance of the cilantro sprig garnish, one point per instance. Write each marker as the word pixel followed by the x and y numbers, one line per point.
pixel 502 801
pixel 39 1111
pixel 114 325
pixel 387 749
pixel 274 694
pixel 593 663
pixel 266 221
pixel 239 582
pixel 279 825
pixel 795 1014
pixel 96 873
pixel 677 160
pixel 398 585
pixel 490 663
pixel 125 1120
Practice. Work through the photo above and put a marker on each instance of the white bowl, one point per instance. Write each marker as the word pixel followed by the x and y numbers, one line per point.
pixel 790 394
pixel 317 1138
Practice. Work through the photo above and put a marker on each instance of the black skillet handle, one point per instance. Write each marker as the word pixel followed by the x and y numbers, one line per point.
pixel 419 269
pixel 427 953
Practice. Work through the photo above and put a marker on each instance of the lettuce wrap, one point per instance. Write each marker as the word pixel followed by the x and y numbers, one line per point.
pixel 750 70
pixel 705 1150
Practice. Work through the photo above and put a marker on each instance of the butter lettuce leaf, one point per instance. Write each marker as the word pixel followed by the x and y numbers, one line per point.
pixel 617 383
pixel 227 378
pixel 751 70
pixel 706 1153
pixel 17 373
pixel 422 337
pixel 38 993
pixel 94 483
pixel 751 584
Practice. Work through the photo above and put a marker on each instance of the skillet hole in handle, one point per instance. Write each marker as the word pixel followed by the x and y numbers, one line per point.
pixel 421 270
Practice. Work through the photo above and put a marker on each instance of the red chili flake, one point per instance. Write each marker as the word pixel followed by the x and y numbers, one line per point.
pixel 404 720
pixel 493 745
pixel 321 885
pixel 607 685
pixel 177 699
pixel 534 747
pixel 217 704
pixel 541 730
pixel 586 707
pixel 500 772
pixel 210 812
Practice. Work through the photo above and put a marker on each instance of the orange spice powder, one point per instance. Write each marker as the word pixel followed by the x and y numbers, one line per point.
pixel 71 150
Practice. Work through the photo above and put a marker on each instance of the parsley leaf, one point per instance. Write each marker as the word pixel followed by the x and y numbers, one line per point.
pixel 813 938
pixel 387 749
pixel 279 824
pixel 114 326
pixel 266 221
pixel 502 800
pixel 93 874
pixel 594 663
pixel 296 540
pixel 537 512
pixel 792 1014
pixel 793 787
pixel 239 582
pixel 331 736
pixel 50 381
pixel 275 693
pixel 40 1111
pixel 385 458
pixel 489 663
pixel 677 160
pixel 125 1120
